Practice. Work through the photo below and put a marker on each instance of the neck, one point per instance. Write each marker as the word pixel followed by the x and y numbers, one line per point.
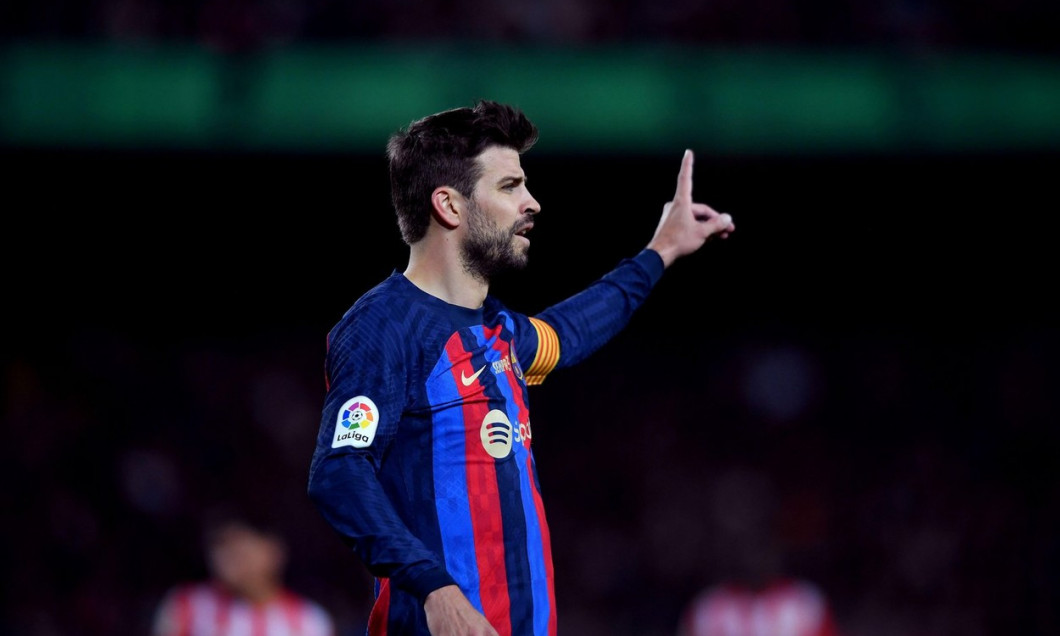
pixel 438 271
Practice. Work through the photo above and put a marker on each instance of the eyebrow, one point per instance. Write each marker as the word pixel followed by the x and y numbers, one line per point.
pixel 511 180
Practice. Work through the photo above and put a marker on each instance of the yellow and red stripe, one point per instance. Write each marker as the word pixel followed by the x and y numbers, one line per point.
pixel 547 356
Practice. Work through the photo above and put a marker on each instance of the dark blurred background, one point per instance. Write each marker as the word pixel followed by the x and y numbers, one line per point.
pixel 862 379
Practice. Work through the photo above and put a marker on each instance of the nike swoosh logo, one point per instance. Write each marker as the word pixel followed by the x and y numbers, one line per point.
pixel 466 380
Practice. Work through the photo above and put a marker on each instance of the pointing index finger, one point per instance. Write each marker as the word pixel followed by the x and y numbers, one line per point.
pixel 684 177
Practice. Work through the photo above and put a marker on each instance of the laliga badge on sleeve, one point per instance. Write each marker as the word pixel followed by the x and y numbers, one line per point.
pixel 357 422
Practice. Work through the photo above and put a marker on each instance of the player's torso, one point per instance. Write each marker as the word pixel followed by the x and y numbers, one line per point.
pixel 473 404
pixel 473 415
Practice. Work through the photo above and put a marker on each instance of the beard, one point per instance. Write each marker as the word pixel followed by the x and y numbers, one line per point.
pixel 489 250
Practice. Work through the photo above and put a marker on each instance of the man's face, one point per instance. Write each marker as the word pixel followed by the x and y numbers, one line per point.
pixel 500 212
pixel 244 559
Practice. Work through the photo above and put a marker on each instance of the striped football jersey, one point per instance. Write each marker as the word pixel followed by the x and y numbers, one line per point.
pixel 423 459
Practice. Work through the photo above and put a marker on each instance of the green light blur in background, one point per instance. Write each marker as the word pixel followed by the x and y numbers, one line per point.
pixel 593 100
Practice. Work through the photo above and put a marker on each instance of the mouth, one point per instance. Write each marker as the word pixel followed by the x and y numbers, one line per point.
pixel 524 230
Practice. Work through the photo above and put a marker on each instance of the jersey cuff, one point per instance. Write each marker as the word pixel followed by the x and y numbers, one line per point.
pixel 652 262
pixel 426 582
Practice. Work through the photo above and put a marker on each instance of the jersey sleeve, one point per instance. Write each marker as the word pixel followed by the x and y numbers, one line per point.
pixel 571 330
pixel 366 391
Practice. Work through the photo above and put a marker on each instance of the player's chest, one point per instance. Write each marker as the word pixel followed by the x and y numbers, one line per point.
pixel 476 363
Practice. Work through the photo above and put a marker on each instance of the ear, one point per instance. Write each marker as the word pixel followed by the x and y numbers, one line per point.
pixel 448 206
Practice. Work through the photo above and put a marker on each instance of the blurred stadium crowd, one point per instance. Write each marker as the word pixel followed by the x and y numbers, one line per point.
pixel 240 25
pixel 858 460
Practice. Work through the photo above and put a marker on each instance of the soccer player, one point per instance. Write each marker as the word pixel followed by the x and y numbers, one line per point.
pixel 245 595
pixel 423 462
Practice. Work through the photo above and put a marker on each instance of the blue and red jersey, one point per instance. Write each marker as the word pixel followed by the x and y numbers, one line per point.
pixel 423 460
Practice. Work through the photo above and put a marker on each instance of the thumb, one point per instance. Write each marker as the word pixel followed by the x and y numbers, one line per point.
pixel 721 223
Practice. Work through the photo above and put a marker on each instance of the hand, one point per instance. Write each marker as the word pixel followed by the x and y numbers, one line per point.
pixel 449 613
pixel 685 225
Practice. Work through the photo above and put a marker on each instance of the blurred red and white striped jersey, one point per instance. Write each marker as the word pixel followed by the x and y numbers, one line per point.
pixel 205 609
pixel 783 608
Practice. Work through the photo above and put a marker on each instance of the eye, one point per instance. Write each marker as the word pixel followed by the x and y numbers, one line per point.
pixel 512 184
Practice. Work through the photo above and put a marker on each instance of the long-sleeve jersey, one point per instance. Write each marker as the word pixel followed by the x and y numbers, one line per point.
pixel 423 462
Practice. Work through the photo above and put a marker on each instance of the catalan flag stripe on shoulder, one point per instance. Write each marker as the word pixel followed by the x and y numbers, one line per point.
pixel 547 352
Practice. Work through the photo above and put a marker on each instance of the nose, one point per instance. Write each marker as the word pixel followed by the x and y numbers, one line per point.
pixel 533 207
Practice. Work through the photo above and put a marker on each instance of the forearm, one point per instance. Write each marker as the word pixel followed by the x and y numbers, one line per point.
pixel 351 500
pixel 589 319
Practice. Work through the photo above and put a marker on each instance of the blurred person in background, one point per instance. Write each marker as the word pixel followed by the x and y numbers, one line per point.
pixel 423 462
pixel 761 602
pixel 755 593
pixel 245 594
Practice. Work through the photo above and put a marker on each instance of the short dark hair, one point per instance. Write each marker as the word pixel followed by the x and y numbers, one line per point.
pixel 440 150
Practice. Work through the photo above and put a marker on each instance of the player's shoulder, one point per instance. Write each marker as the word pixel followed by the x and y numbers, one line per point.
pixel 377 307
pixel 378 324
pixel 384 296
